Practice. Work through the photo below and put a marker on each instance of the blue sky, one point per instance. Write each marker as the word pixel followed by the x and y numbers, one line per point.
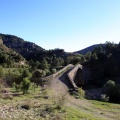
pixel 68 24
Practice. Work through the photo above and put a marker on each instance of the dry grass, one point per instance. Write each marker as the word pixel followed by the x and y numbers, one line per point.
pixel 57 107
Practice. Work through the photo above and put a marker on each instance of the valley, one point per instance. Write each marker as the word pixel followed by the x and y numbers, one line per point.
pixel 39 84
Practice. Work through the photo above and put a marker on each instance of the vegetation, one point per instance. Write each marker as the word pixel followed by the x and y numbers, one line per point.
pixel 24 65
pixel 33 106
pixel 25 85
pixel 112 91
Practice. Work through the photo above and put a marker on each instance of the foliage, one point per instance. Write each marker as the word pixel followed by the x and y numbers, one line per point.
pixel 94 56
pixel 112 91
pixel 75 59
pixel 25 85
pixel 44 64
pixel 81 93
pixel 47 72
pixel 37 77
pixel 104 63
pixel 8 57
pixel 54 70
pixel 26 74
pixel 59 61
pixel 39 73
pixel 21 46
pixel 1 71
pixel 88 55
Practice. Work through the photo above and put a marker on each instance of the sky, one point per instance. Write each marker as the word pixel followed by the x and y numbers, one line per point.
pixel 67 24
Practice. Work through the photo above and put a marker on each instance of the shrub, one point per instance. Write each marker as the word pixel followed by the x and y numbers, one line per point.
pixel 54 70
pixel 78 94
pixel 112 91
pixel 59 100
pixel 47 72
pixel 81 93
pixel 25 85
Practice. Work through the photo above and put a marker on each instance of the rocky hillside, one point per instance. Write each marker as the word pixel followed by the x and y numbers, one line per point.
pixel 29 50
pixel 25 48
pixel 9 57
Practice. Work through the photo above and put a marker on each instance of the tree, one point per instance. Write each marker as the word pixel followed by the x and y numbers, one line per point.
pixel 37 77
pixel 36 64
pixel 98 49
pixel 58 62
pixel 73 59
pixel 94 56
pixel 112 91
pixel 25 85
pixel 44 64
pixel 88 55
pixel 26 73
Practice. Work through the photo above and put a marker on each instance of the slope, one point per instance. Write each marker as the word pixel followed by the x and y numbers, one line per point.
pixel 26 49
pixel 30 50
pixel 90 48
pixel 8 56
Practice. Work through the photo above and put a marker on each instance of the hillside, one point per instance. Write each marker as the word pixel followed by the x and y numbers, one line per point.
pixel 54 97
pixel 90 48
pixel 29 50
pixel 9 57
pixel 104 64
pixel 25 48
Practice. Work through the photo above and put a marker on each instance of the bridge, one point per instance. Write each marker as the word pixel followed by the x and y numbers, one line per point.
pixel 75 76
pixel 70 77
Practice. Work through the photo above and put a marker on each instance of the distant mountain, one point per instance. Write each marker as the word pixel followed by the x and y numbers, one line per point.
pixel 90 48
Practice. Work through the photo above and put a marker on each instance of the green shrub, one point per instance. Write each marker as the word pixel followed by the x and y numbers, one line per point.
pixel 54 70
pixel 112 91
pixel 25 85
pixel 81 93
pixel 47 72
